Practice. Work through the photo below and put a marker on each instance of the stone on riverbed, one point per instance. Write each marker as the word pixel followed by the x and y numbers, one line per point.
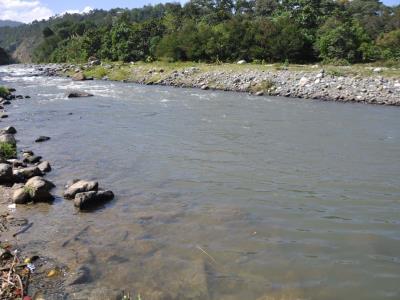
pixel 80 186
pixel 16 163
pixel 44 166
pixel 6 173
pixel 41 139
pixel 8 130
pixel 32 159
pixel 27 173
pixel 78 94
pixel 92 199
pixel 78 76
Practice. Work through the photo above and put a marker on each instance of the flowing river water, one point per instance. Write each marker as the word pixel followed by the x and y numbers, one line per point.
pixel 219 195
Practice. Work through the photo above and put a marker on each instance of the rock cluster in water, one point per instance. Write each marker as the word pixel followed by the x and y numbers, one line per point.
pixel 86 194
pixel 25 175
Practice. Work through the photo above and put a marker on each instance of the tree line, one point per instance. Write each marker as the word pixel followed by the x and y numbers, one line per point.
pixel 297 31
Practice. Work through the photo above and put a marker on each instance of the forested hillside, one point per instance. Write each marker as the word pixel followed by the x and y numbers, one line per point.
pixel 9 23
pixel 220 30
pixel 4 58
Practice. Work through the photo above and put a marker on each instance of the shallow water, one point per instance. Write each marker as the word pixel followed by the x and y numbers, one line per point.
pixel 219 195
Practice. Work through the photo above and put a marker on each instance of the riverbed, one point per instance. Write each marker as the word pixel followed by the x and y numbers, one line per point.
pixel 219 195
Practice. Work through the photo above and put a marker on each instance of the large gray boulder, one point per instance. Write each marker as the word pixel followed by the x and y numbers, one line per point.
pixel 6 173
pixel 39 189
pixel 8 138
pixel 21 196
pixel 80 187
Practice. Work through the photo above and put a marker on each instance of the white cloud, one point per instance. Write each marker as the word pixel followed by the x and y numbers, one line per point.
pixel 24 10
pixel 86 10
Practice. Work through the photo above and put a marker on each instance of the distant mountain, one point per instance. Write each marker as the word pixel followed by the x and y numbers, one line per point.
pixel 9 23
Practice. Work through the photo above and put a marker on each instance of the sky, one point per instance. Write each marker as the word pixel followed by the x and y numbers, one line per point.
pixel 28 10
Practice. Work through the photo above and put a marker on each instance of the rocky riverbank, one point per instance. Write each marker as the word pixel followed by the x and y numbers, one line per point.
pixel 23 274
pixel 372 85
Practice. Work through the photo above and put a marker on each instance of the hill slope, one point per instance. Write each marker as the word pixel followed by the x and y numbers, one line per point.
pixel 9 23
pixel 4 58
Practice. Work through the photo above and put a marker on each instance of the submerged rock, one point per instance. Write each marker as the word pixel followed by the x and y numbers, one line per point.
pixel 77 94
pixel 80 276
pixel 80 186
pixel 42 138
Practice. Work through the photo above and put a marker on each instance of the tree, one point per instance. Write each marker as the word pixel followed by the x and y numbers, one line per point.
pixel 341 40
pixel 389 43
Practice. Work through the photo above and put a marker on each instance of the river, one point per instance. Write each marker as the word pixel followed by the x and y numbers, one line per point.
pixel 219 195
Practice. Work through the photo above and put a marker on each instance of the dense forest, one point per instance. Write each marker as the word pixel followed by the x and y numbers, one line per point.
pixel 300 31
pixel 4 58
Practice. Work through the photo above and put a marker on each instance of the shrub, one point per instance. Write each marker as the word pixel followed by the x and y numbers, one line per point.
pixel 389 43
pixel 342 40
pixel 8 151
pixel 4 92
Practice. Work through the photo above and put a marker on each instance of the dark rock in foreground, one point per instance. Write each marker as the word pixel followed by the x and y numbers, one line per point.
pixel 92 199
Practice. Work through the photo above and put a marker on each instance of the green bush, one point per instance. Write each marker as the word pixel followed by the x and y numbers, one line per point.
pixel 4 92
pixel 342 40
pixel 8 151
pixel 389 43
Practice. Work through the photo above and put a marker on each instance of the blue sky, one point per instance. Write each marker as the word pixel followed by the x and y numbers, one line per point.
pixel 29 10
pixel 60 6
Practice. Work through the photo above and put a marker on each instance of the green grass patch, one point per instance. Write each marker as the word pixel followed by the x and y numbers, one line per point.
pixel 4 92
pixel 8 150
pixel 97 72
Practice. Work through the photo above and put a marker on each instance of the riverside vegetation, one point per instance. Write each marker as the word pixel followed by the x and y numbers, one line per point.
pixel 295 31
